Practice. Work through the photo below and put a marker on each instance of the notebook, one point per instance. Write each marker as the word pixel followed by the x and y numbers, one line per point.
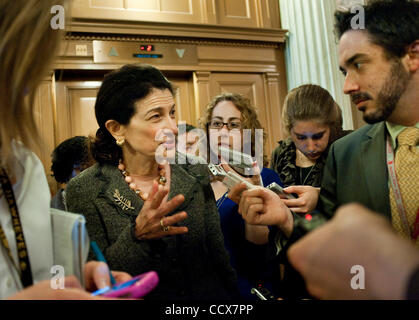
pixel 70 242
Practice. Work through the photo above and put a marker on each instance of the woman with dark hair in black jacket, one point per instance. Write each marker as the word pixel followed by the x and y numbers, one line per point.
pixel 145 214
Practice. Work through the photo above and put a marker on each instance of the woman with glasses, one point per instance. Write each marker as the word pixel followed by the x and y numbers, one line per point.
pixel 225 120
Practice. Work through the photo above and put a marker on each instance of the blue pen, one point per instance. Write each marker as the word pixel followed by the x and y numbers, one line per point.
pixel 101 291
pixel 101 257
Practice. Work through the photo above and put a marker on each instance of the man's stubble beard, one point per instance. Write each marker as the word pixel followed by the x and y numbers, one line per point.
pixel 390 93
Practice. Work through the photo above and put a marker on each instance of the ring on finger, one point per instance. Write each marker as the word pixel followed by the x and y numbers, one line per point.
pixel 163 227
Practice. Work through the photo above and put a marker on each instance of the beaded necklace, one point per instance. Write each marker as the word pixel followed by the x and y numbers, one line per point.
pixel 129 180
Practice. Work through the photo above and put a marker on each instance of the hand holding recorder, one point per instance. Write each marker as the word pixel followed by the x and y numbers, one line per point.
pixel 355 236
pixel 306 200
pixel 261 206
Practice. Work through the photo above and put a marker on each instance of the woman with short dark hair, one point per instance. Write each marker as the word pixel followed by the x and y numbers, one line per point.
pixel 130 199
pixel 69 158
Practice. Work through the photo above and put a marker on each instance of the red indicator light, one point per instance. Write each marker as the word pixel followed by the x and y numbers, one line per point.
pixel 146 47
pixel 308 217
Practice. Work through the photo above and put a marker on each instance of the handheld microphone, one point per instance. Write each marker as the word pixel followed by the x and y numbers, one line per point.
pixel 240 162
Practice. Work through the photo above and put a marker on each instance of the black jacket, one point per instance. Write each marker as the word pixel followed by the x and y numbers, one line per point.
pixel 192 266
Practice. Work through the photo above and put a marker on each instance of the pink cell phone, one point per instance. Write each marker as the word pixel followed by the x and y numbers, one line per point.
pixel 137 287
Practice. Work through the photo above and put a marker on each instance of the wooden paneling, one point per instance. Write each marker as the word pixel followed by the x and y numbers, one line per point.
pixel 76 101
pixel 202 92
pixel 112 4
pixel 185 110
pixel 44 110
pixel 209 11
pixel 83 121
pixel 250 85
pixel 269 14
pixel 229 53
pixel 253 87
pixel 143 6
pixel 178 6
pixel 130 52
pixel 75 109
pixel 237 47
pixel 179 11
pixel 273 110
pixel 235 13
pixel 172 56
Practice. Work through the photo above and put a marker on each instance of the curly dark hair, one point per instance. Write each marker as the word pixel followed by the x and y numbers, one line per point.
pixel 391 24
pixel 116 101
pixel 248 112
pixel 69 153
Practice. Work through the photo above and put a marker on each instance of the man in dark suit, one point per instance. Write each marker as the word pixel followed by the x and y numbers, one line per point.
pixel 381 68
pixel 381 77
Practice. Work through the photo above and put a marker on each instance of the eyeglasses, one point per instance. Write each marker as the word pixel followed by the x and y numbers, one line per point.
pixel 231 125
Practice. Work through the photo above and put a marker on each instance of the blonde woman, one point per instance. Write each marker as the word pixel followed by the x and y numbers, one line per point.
pixel 27 46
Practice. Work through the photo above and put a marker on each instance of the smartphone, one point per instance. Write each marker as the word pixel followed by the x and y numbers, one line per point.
pixel 137 287
pixel 279 190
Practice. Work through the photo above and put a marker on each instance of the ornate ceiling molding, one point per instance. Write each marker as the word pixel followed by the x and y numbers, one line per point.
pixel 95 29
pixel 213 42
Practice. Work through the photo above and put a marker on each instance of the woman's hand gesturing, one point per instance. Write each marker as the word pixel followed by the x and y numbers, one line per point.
pixel 152 223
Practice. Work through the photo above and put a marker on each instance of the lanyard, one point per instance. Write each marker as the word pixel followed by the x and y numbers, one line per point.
pixel 397 195
pixel 24 264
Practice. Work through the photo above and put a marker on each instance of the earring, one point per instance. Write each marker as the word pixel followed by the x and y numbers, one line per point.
pixel 120 141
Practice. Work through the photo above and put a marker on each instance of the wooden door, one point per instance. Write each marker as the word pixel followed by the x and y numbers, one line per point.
pixel 75 109
pixel 184 99
pixel 252 87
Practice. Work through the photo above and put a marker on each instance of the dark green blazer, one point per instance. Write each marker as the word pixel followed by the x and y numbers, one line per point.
pixel 193 266
pixel 356 171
